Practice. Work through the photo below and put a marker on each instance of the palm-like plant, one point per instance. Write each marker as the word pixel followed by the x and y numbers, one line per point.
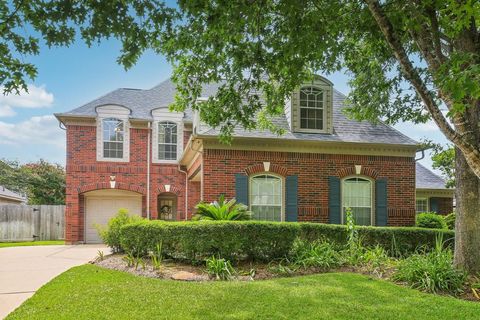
pixel 222 210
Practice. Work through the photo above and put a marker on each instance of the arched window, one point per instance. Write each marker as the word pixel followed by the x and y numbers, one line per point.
pixel 167 206
pixel 266 197
pixel 113 131
pixel 167 140
pixel 312 108
pixel 357 194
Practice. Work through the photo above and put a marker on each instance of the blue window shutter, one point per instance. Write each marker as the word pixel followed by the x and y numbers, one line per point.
pixel 291 191
pixel 241 188
pixel 334 201
pixel 433 205
pixel 381 212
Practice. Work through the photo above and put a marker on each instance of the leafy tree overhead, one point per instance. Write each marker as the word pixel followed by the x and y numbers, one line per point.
pixel 42 182
pixel 408 60
pixel 444 160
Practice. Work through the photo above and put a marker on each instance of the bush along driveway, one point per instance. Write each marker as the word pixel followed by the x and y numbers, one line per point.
pixel 91 292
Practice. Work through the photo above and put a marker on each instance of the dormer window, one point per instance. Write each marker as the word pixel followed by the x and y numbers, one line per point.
pixel 312 108
pixel 167 140
pixel 113 138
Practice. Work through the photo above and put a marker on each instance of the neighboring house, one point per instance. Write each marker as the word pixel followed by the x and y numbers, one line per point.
pixel 431 193
pixel 321 165
pixel 10 197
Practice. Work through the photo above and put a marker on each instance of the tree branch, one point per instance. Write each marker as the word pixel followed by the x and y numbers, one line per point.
pixel 471 153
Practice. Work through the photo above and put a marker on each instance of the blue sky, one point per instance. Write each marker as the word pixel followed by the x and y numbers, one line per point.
pixel 70 77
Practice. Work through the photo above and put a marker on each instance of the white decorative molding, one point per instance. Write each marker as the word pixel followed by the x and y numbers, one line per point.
pixel 358 169
pixel 266 166
pixel 167 188
pixel 116 112
pixel 164 114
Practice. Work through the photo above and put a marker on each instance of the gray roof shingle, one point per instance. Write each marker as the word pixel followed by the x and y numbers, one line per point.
pixel 142 102
pixel 426 179
pixel 5 193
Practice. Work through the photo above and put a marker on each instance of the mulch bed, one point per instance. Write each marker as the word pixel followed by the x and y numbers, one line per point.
pixel 175 270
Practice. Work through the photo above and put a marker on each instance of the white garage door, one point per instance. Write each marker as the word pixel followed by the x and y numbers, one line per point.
pixel 101 205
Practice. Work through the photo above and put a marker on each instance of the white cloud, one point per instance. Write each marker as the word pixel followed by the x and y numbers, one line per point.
pixel 36 97
pixel 6 111
pixel 36 131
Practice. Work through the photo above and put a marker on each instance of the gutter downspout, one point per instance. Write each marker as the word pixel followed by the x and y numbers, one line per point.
pixel 148 170
pixel 186 191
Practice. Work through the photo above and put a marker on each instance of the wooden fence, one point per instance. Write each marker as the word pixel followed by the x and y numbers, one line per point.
pixel 27 223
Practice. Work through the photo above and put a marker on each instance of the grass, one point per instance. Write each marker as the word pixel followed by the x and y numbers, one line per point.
pixel 90 292
pixel 31 243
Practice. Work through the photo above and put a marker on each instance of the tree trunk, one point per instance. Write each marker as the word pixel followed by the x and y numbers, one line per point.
pixel 467 224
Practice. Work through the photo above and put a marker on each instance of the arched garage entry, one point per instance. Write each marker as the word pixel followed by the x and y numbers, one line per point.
pixel 101 205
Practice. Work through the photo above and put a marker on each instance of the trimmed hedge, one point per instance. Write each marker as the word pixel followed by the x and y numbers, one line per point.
pixel 430 220
pixel 264 241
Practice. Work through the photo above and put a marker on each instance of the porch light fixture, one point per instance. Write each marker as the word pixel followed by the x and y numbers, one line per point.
pixel 112 182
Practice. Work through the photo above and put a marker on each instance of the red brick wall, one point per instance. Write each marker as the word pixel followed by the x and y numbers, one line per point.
pixel 313 170
pixel 84 173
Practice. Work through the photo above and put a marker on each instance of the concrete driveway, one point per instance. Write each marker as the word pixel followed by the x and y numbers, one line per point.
pixel 23 270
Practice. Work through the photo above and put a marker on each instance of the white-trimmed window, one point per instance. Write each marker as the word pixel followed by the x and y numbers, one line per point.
pixel 167 140
pixel 167 144
pixel 312 109
pixel 357 194
pixel 421 205
pixel 266 197
pixel 113 133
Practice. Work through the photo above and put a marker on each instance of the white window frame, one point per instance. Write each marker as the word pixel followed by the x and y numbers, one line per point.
pixel 164 115
pixel 372 200
pixel 325 106
pixel 282 189
pixel 113 112
pixel 428 204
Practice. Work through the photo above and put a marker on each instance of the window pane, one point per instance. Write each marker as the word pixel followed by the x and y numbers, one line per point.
pixel 113 136
pixel 167 141
pixel 266 198
pixel 311 108
pixel 357 195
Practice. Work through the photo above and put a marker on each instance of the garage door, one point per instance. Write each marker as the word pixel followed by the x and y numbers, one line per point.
pixel 101 205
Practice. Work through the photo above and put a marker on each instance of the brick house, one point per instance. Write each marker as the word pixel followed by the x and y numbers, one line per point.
pixel 126 150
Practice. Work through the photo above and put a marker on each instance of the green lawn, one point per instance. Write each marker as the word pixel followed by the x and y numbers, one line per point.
pixel 31 243
pixel 90 292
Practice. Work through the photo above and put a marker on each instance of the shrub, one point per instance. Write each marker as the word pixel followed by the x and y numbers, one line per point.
pixel 431 271
pixel 222 210
pixel 261 240
pixel 220 269
pixel 450 220
pixel 430 220
pixel 317 254
pixel 232 240
pixel 111 234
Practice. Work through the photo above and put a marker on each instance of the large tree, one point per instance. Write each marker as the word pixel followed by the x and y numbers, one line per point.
pixel 42 182
pixel 408 60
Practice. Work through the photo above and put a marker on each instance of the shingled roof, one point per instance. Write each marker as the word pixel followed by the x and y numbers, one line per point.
pixel 8 194
pixel 142 102
pixel 426 179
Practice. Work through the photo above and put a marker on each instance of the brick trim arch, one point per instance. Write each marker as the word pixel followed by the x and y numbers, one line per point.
pixel 259 168
pixel 365 171
pixel 173 189
pixel 106 185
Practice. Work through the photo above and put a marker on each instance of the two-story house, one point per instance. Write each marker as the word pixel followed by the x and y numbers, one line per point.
pixel 127 150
